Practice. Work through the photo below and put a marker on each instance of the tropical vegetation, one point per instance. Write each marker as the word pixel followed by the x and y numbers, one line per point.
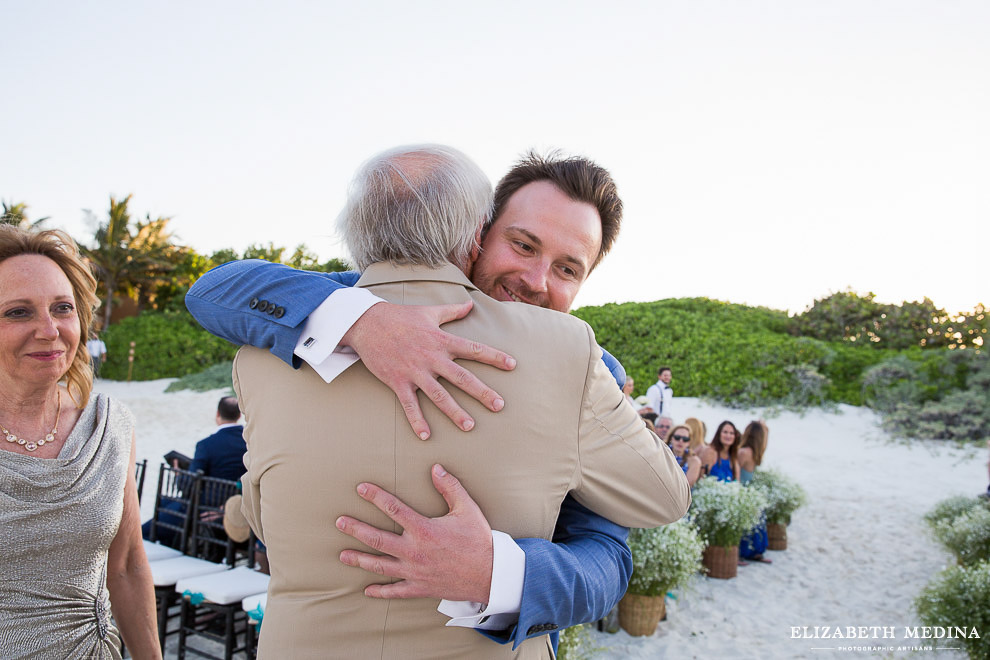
pixel 925 370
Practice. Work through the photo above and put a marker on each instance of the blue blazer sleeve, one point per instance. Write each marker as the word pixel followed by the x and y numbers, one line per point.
pixel 261 304
pixel 577 578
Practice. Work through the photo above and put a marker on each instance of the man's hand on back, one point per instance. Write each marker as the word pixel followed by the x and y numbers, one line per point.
pixel 448 557
pixel 404 347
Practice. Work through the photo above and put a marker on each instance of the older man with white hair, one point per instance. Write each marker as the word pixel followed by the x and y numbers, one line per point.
pixel 406 209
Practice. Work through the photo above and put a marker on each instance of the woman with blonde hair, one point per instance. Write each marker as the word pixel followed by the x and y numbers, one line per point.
pixel 69 515
pixel 698 433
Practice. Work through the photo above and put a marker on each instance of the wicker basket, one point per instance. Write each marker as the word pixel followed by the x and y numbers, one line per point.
pixel 639 615
pixel 776 537
pixel 721 562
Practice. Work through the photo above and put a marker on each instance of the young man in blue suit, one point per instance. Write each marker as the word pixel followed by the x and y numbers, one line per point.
pixel 221 455
pixel 554 219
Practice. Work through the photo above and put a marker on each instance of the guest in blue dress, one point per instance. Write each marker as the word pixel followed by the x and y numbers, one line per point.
pixel 679 441
pixel 722 462
pixel 751 448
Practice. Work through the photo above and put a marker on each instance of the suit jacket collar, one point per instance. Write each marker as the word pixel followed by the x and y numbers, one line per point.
pixel 387 273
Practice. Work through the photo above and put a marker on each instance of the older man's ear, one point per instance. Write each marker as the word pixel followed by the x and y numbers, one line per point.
pixel 474 254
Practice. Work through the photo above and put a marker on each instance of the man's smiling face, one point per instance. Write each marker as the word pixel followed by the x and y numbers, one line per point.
pixel 540 249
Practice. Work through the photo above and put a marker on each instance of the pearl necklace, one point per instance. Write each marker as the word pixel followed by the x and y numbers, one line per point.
pixel 31 446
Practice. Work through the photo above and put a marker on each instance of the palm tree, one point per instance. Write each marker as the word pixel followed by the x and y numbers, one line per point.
pixel 128 262
pixel 16 214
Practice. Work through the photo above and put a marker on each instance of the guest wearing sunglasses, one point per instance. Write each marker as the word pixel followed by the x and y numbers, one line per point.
pixel 679 441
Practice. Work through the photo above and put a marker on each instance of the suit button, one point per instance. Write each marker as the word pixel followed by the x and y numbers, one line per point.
pixel 253 303
pixel 271 308
pixel 279 312
pixel 542 627
pixel 262 305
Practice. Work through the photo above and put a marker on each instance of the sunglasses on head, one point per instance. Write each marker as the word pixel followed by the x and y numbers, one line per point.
pixel 682 438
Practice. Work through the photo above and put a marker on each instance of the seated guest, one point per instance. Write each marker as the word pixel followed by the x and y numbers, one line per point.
pixel 698 432
pixel 751 448
pixel 722 462
pixel 679 441
pixel 627 389
pixel 220 455
pixel 663 424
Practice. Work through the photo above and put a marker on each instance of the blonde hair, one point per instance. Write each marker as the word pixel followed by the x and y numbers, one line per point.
pixel 697 429
pixel 60 248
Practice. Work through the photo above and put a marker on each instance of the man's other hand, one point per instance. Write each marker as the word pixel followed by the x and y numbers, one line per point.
pixel 448 557
pixel 404 347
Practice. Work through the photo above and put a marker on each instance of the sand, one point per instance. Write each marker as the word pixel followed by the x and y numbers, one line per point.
pixel 858 553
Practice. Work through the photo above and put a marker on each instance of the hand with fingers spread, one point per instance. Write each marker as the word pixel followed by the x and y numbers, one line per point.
pixel 404 347
pixel 449 557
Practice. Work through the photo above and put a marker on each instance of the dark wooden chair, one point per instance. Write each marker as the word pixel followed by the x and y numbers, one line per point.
pixel 140 470
pixel 175 508
pixel 211 606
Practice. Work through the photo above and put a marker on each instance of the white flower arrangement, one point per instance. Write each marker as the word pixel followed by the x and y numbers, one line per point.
pixel 967 536
pixel 664 558
pixel 948 509
pixel 784 495
pixel 723 511
pixel 960 595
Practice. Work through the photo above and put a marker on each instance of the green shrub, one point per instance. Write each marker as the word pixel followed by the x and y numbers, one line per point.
pixel 724 511
pixel 960 596
pixel 891 383
pixel 664 558
pixel 948 509
pixel 741 356
pixel 967 535
pixel 213 378
pixel 784 495
pixel 577 643
pixel 167 345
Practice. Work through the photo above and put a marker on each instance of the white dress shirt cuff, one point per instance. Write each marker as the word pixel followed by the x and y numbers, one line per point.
pixel 319 342
pixel 505 599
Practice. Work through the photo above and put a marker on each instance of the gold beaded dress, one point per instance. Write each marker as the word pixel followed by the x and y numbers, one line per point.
pixel 57 519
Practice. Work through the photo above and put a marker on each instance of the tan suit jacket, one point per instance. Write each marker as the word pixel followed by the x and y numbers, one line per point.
pixel 566 428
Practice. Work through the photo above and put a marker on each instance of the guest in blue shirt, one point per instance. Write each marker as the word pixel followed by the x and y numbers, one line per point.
pixel 220 455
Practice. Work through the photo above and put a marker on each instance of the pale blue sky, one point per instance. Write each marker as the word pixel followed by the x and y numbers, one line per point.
pixel 767 152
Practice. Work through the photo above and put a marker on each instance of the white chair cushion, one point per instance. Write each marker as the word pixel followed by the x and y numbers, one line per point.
pixel 167 572
pixel 226 587
pixel 251 603
pixel 156 551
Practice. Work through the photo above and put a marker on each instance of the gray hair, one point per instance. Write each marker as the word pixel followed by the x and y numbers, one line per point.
pixel 419 204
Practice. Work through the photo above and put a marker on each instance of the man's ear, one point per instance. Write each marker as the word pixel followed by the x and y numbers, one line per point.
pixel 475 249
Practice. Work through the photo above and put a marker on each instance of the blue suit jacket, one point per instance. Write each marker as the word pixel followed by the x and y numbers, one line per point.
pixel 221 455
pixel 577 578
